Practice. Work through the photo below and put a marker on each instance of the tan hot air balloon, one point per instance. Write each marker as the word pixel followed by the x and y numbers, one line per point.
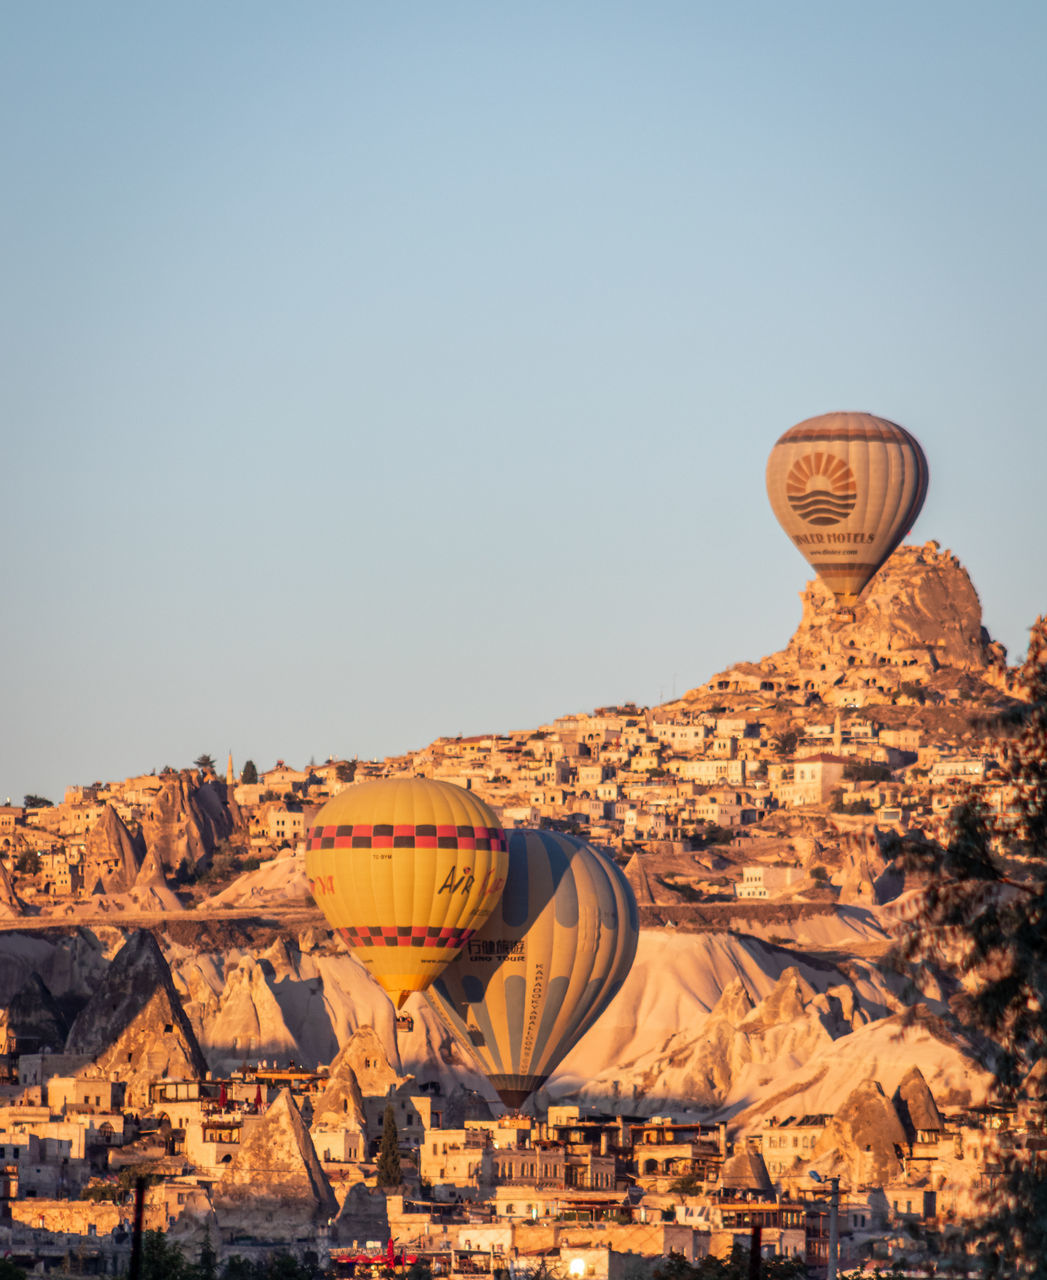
pixel 405 869
pixel 846 488
pixel 535 978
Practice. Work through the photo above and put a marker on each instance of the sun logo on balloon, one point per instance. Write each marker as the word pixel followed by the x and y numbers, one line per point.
pixel 821 489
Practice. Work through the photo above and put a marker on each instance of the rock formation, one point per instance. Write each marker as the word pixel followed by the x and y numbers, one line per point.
pixel 921 610
pixel 364 1216
pixel 865 876
pixel 112 856
pixel 150 890
pixel 134 1026
pixel 865 1138
pixel 916 1107
pixel 746 1169
pixel 71 967
pixel 365 1055
pixel 186 821
pixel 792 1021
pixel 245 1022
pixel 341 1105
pixel 274 1183
pixel 10 903
pixel 32 1022
pixel 636 874
pixel 918 616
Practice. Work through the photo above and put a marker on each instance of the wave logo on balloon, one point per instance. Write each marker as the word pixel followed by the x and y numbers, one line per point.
pixel 821 489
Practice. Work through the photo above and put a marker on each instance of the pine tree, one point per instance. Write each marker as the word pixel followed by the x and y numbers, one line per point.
pixel 249 773
pixel 207 1265
pixel 161 1260
pixel 985 917
pixel 388 1169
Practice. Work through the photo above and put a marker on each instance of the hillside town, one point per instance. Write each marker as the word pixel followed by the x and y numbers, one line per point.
pixel 847 733
pixel 268 1156
pixel 771 796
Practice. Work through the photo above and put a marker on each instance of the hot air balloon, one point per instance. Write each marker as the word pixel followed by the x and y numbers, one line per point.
pixel 405 870
pixel 535 978
pixel 846 488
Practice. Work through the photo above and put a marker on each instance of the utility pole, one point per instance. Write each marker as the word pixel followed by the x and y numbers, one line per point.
pixel 834 1223
pixel 755 1252
pixel 834 1228
pixel 135 1269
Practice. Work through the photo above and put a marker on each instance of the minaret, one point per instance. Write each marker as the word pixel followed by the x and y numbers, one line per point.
pixel 837 734
pixel 230 777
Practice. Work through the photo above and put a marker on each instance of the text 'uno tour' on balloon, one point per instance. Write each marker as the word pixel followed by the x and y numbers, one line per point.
pixel 405 869
pixel 535 978
pixel 846 488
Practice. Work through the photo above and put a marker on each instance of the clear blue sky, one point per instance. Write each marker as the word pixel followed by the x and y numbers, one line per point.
pixel 376 371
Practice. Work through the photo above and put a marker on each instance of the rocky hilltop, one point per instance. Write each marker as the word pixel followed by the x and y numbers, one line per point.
pixel 918 621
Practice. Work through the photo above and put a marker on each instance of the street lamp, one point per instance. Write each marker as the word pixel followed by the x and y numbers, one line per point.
pixel 834 1222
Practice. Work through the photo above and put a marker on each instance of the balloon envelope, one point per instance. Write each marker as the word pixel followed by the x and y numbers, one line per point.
pixel 546 964
pixel 405 869
pixel 846 488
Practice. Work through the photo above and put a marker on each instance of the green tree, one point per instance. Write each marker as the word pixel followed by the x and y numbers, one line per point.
pixel 28 863
pixel 544 1269
pixel 866 771
pixel 204 762
pixel 249 773
pixel 8 1270
pixel 784 743
pixel 36 802
pixel 162 1261
pixel 715 834
pixel 207 1264
pixel 282 1266
pixel 839 805
pixel 345 770
pixel 237 1268
pixel 388 1169
pixel 736 1267
pixel 984 911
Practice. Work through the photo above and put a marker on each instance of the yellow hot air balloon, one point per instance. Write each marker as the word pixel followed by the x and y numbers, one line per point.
pixel 535 978
pixel 405 870
pixel 846 488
